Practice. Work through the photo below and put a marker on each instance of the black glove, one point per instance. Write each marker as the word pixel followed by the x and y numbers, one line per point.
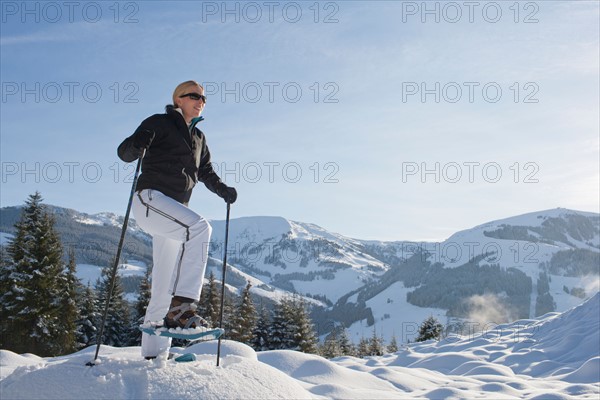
pixel 229 194
pixel 143 139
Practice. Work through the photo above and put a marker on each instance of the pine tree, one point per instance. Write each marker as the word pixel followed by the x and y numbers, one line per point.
pixel 31 302
pixel 210 301
pixel 431 328
pixel 71 297
pixel 304 338
pixel 292 327
pixel 261 331
pixel 88 318
pixel 376 346
pixel 228 314
pixel 363 348
pixel 244 320
pixel 139 310
pixel 282 327
pixel 116 329
pixel 5 287
pixel 346 346
pixel 393 346
pixel 331 346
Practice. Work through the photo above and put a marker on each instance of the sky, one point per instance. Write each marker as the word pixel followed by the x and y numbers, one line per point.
pixel 374 119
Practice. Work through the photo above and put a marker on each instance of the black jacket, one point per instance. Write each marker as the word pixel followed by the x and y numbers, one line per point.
pixel 176 159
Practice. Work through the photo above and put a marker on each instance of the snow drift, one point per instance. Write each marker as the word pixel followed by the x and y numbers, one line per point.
pixel 556 356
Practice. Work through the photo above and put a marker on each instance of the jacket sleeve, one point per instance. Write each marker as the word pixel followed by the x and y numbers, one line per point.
pixel 127 151
pixel 206 173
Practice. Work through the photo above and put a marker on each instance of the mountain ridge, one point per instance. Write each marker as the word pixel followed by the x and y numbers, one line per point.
pixel 366 283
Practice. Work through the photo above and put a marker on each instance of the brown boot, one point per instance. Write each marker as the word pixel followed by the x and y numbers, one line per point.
pixel 182 314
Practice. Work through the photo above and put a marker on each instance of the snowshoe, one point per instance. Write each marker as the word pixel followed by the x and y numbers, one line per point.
pixel 183 315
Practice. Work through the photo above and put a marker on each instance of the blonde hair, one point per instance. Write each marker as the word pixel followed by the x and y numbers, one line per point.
pixel 184 88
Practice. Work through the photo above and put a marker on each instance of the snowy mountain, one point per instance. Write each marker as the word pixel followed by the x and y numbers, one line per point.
pixel 94 238
pixel 521 267
pixel 556 356
pixel 515 268
pixel 297 257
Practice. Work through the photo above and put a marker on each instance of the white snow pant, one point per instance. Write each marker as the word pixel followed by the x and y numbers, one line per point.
pixel 180 240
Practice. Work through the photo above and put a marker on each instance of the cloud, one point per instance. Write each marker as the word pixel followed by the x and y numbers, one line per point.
pixel 591 284
pixel 489 309
pixel 32 38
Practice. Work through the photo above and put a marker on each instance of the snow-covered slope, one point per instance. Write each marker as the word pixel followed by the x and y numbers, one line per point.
pixel 89 274
pixel 523 241
pixel 262 291
pixel 296 256
pixel 525 249
pixel 553 357
pixel 528 243
pixel 98 219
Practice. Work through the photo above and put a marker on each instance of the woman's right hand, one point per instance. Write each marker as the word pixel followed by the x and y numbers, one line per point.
pixel 227 193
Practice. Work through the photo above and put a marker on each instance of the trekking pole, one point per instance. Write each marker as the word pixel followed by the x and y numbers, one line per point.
pixel 117 258
pixel 223 282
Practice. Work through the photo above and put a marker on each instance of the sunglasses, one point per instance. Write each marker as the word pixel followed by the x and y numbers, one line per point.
pixel 194 96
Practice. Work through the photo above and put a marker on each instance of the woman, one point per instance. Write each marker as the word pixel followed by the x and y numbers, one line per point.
pixel 176 158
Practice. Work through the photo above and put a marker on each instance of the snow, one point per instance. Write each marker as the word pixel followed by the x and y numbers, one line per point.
pixel 345 281
pixel 359 268
pixel 523 254
pixel 131 297
pixel 106 219
pixel 556 356
pixel 252 229
pixel 89 274
pixel 534 218
pixel 88 221
pixel 564 301
pixel 133 267
pixel 259 287
pixel 262 234
pixel 394 316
